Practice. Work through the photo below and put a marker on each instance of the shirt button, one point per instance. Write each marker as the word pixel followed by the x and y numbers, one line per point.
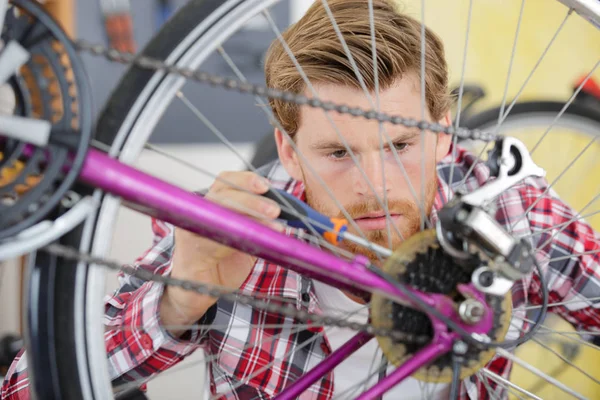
pixel 146 341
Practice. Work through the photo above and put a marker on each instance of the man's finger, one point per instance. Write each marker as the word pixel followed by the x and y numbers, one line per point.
pixel 246 180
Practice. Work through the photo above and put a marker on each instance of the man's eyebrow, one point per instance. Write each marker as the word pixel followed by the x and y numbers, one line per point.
pixel 329 144
pixel 402 136
pixel 333 144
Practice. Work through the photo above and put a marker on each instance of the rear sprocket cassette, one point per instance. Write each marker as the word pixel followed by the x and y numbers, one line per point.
pixel 421 263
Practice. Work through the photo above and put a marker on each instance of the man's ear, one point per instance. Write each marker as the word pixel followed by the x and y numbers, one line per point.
pixel 443 140
pixel 287 155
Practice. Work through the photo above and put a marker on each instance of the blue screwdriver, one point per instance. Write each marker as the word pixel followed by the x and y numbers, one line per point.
pixel 333 230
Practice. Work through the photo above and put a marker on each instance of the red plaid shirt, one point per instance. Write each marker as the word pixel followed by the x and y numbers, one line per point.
pixel 254 360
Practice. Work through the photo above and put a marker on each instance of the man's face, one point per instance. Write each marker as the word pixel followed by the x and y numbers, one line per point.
pixel 360 186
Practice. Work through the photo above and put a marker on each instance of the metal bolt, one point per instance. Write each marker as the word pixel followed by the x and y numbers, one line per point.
pixel 70 199
pixel 462 215
pixel 486 278
pixel 471 311
pixel 481 338
pixel 460 347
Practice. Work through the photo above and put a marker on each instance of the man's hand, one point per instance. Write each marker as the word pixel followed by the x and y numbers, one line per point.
pixel 202 260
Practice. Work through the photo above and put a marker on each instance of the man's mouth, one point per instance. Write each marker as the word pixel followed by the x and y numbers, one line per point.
pixel 376 220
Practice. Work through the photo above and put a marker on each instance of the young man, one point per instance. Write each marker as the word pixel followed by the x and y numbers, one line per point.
pixel 251 358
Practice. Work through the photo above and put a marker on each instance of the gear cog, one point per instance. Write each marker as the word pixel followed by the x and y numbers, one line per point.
pixel 421 263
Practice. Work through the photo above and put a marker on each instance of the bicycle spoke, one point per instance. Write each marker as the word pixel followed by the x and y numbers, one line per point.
pixel 274 120
pixel 372 369
pixel 547 190
pixel 569 334
pixel 563 224
pixel 378 109
pixel 565 360
pixel 350 392
pixel 460 98
pixel 230 146
pixel 214 326
pixel 537 64
pixel 285 356
pixel 489 389
pixel 552 124
pixel 540 247
pixel 287 208
pixel 422 82
pixel 207 359
pixel 382 127
pixel 508 384
pixel 567 302
pixel 505 94
pixel 560 356
pixel 503 353
pixel 544 330
pixel 317 239
pixel 358 75
pixel 574 255
pixel 3 9
pixel 332 123
pixel 567 104
pixel 511 62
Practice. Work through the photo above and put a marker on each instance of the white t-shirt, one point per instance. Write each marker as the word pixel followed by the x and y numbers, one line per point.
pixel 368 358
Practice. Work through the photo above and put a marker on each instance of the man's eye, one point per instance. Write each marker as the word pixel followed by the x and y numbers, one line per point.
pixel 338 154
pixel 400 146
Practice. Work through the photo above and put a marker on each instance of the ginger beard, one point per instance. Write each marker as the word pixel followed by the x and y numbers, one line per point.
pixel 409 221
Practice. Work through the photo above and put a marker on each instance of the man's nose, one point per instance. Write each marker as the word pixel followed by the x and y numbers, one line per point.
pixel 369 176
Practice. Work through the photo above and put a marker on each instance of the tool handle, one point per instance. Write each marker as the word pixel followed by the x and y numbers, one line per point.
pixel 332 229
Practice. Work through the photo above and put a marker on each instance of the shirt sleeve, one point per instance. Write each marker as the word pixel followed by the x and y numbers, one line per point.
pixel 137 344
pixel 568 250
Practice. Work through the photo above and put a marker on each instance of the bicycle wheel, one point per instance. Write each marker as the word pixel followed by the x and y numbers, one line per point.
pixel 534 122
pixel 126 124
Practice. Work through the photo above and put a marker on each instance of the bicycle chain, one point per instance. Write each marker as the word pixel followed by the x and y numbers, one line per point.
pixel 257 90
pixel 234 296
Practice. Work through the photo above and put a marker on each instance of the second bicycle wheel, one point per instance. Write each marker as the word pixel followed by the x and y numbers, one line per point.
pixel 566 146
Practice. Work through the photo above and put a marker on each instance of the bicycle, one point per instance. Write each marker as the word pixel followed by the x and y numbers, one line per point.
pixel 65 223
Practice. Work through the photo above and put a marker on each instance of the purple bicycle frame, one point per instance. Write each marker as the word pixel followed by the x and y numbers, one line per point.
pixel 187 210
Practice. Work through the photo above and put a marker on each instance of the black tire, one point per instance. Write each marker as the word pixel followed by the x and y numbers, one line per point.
pixel 129 88
pixel 58 367
pixel 266 150
pixel 490 116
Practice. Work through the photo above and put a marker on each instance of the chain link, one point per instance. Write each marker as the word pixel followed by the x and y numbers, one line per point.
pixel 70 253
pixel 257 90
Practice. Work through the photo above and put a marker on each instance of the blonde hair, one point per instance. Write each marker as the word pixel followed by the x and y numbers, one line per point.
pixel 316 46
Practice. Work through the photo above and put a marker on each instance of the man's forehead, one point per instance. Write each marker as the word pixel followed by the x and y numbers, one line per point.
pixel 319 125
pixel 353 96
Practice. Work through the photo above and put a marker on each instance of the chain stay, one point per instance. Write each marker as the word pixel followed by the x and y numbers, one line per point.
pixel 233 295
pixel 257 90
